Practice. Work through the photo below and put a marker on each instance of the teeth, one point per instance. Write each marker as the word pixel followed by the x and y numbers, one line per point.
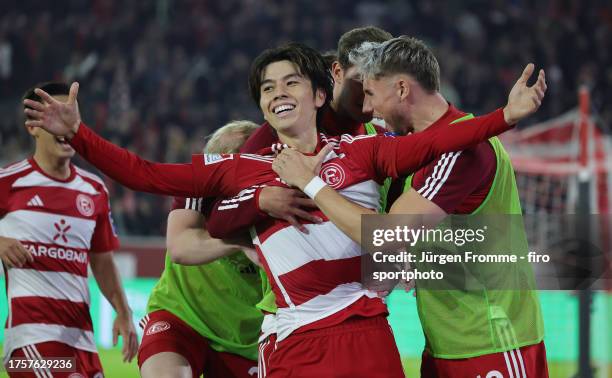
pixel 282 108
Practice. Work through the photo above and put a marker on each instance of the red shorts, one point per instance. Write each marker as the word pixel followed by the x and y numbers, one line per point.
pixel 87 364
pixel 164 332
pixel 266 348
pixel 358 347
pixel 528 361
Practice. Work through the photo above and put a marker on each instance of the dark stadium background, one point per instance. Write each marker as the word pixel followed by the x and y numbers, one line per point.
pixel 159 76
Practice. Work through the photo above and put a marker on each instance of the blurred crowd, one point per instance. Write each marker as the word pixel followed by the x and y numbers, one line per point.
pixel 159 76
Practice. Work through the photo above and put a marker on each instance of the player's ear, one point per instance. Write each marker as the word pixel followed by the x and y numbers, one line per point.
pixel 402 88
pixel 319 98
pixel 33 131
pixel 337 72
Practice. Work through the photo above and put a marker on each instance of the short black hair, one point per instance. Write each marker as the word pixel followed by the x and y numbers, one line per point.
pixel 355 37
pixel 309 62
pixel 54 88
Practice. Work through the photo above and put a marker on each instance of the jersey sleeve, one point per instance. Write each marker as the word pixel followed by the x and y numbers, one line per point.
pixel 449 180
pixel 388 156
pixel 104 238
pixel 182 203
pixel 5 186
pixel 207 175
pixel 228 216
pixel 232 215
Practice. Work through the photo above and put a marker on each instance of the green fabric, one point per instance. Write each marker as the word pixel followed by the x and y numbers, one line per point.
pixel 467 323
pixel 217 300
pixel 384 189
pixel 268 302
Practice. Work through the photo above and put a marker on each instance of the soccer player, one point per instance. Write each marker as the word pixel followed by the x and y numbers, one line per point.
pixel 343 115
pixel 505 326
pixel 202 319
pixel 55 219
pixel 325 317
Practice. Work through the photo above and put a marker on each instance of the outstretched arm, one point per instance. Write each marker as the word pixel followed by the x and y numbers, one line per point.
pixel 189 180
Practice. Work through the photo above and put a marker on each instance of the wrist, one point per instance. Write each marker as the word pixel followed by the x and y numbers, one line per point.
pixel 312 188
pixel 303 181
pixel 507 117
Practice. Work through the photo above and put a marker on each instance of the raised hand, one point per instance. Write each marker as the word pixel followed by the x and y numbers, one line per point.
pixel 57 117
pixel 13 254
pixel 523 100
pixel 297 169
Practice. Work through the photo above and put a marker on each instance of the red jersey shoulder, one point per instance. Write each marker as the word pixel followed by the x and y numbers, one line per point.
pixel 92 179
pixel 14 171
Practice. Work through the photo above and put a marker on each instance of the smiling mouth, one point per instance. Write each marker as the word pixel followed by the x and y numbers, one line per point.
pixel 282 110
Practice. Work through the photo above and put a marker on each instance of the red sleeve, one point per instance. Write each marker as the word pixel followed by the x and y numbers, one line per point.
pixel 104 238
pixel 5 185
pixel 383 156
pixel 225 220
pixel 207 175
pixel 196 204
pixel 459 181
pixel 232 215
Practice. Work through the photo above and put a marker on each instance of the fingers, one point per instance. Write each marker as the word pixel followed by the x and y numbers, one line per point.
pixel 45 96
pixel 526 73
pixel 305 201
pixel 115 336
pixel 36 105
pixel 34 123
pixel 35 114
pixel 134 345
pixel 323 153
pixel 74 91
pixel 295 223
pixel 307 216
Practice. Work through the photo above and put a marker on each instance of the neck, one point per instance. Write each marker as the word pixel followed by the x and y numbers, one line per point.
pixel 431 107
pixel 305 141
pixel 55 167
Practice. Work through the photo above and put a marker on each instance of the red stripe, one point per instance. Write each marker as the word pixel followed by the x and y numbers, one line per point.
pixel 47 263
pixel 267 228
pixel 319 277
pixel 25 310
pixel 280 298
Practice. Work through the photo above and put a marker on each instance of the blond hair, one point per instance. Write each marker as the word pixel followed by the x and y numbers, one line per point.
pixel 229 138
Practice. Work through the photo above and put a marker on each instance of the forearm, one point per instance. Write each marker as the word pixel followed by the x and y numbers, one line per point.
pixel 196 247
pixel 109 282
pixel 346 215
pixel 414 151
pixel 130 170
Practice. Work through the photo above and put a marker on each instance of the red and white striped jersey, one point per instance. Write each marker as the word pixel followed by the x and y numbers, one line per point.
pixel 60 222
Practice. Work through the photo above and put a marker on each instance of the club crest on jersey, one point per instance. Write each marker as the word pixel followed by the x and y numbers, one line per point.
pixel 158 327
pixel 215 158
pixel 76 375
pixel 333 175
pixel 85 205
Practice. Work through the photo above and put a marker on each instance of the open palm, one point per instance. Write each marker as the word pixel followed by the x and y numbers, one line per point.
pixel 57 117
pixel 523 100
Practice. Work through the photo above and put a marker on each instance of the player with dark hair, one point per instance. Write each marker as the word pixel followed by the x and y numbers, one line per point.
pixel 467 333
pixel 325 316
pixel 55 221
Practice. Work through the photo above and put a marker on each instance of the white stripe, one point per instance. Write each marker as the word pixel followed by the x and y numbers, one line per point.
pixel 14 169
pixel 263 359
pixel 188 203
pixel 227 207
pixel 29 356
pixel 36 178
pixel 38 201
pixel 200 204
pixel 520 357
pixel 514 363
pixel 15 165
pixel 25 334
pixel 447 173
pixel 259 357
pixel 257 158
pixel 238 199
pixel 438 170
pixel 56 285
pixel 37 226
pixel 508 366
pixel 323 242
pixel 35 351
pixel 91 176
pixel 319 307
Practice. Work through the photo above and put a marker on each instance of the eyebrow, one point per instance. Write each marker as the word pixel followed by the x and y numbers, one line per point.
pixel 284 78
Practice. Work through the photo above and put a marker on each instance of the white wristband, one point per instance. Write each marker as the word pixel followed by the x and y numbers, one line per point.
pixel 314 186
